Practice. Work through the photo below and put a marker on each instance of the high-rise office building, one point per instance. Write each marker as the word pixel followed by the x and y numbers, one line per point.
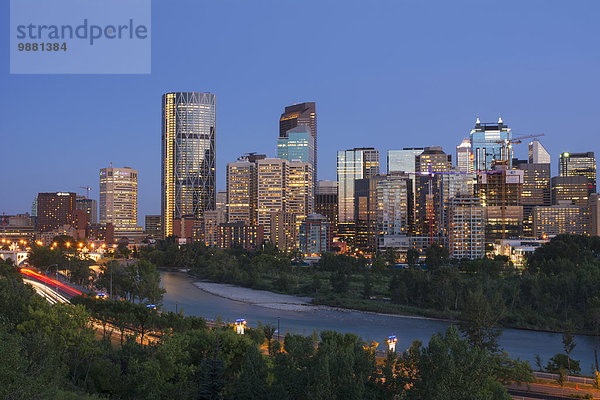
pixel 153 226
pixel 500 195
pixel 365 213
pixel 118 199
pixel 466 228
pixel 297 115
pixel 486 144
pixel 90 206
pixel 242 189
pixel 326 201
pixel 561 218
pixel 316 235
pixel 54 210
pixel 272 175
pixel 393 206
pixel 402 160
pixel 429 190
pixel 358 163
pixel 188 156
pixel 538 153
pixel 570 190
pixel 536 191
pixel 579 164
pixel 298 144
pixel 283 186
pixel 464 156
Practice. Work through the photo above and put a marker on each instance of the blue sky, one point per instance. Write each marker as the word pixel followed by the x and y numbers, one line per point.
pixel 387 74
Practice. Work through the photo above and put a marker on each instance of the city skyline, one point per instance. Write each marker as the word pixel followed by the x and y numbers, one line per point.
pixel 423 103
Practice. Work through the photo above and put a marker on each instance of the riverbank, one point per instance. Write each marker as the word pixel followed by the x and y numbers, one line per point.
pixel 285 302
pixel 261 298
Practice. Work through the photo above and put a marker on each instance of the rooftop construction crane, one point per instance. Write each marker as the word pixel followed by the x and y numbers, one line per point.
pixel 87 188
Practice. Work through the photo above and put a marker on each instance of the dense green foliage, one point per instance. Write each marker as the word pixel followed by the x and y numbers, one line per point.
pixel 54 352
pixel 561 280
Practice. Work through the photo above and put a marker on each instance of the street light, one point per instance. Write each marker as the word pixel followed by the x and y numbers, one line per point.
pixel 240 324
pixel 46 276
pixel 391 342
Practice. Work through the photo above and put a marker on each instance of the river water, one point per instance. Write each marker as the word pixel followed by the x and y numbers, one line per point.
pixel 184 295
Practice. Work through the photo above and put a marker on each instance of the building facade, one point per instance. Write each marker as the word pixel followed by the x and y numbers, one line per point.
pixel 242 189
pixel 298 115
pixel 536 190
pixel 326 201
pixel 90 206
pixel 466 234
pixel 316 236
pixel 298 144
pixel 486 144
pixel 558 219
pixel 538 153
pixel 570 190
pixel 357 163
pixel 188 156
pixel 153 226
pixel 579 164
pixel 464 156
pixel 118 199
pixel 55 210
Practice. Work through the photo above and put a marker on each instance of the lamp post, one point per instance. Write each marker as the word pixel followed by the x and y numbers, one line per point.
pixel 278 334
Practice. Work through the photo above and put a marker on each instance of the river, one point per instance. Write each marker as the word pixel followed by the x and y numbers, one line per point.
pixel 184 295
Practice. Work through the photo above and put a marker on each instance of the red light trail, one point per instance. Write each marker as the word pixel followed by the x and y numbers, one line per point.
pixel 52 282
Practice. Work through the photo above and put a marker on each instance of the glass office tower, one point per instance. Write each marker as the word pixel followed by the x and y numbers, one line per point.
pixel 298 144
pixel 297 115
pixel 486 145
pixel 358 163
pixel 188 156
pixel 579 164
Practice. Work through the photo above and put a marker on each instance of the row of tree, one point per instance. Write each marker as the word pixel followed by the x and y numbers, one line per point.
pixel 52 352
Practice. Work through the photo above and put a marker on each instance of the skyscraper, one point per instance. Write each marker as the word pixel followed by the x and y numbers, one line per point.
pixel 464 156
pixel 570 190
pixel 297 115
pixel 298 144
pixel 429 190
pixel 326 201
pixel 188 156
pixel 466 228
pixel 55 210
pixel 358 163
pixel 402 160
pixel 486 144
pixel 118 199
pixel 536 191
pixel 579 164
pixel 283 186
pixel 242 189
pixel 538 153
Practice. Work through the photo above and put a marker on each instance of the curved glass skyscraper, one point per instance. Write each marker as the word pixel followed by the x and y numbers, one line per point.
pixel 188 156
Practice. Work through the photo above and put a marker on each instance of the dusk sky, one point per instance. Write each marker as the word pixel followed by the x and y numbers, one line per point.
pixel 386 74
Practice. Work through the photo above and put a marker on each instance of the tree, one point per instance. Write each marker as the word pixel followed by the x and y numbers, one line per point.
pixel 367 285
pixel 568 341
pixel 481 317
pixel 412 257
pixel 269 331
pixel 390 255
pixel 448 368
pixel 562 362
pixel 436 255
pixel 211 375
pixel 252 380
